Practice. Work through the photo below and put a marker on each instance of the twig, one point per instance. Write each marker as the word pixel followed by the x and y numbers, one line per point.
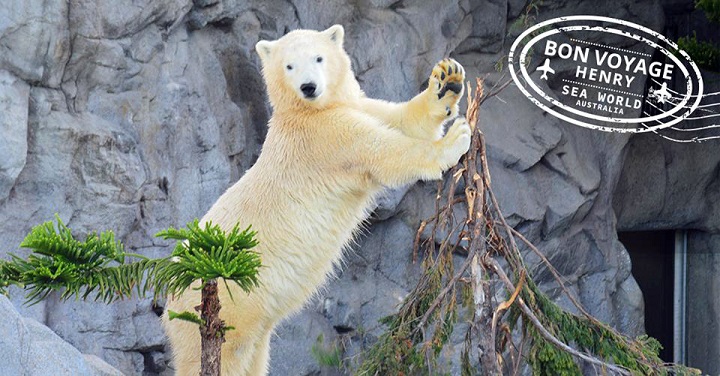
pixel 516 364
pixel 506 304
pixel 416 243
pixel 496 89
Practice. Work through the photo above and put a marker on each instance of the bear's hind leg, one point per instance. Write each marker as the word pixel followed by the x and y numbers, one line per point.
pixel 261 358
pixel 184 346
pixel 247 355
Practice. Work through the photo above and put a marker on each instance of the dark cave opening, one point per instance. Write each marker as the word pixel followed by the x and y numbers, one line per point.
pixel 653 254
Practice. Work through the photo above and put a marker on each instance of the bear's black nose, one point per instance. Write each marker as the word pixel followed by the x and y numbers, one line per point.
pixel 308 90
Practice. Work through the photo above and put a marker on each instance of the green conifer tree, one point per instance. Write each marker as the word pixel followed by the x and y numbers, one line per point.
pixel 99 268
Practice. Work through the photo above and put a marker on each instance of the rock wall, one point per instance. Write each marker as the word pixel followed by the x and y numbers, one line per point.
pixel 25 345
pixel 136 115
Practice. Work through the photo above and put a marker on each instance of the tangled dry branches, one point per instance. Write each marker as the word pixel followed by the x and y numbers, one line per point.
pixel 551 340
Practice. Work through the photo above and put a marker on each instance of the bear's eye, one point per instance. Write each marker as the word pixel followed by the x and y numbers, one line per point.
pixel 319 59
pixel 289 67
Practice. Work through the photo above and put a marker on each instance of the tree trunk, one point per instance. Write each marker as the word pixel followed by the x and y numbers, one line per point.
pixel 211 333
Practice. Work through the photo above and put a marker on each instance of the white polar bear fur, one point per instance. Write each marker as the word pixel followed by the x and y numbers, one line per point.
pixel 322 163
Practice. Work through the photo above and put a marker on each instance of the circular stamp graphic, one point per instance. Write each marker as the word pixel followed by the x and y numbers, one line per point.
pixel 598 72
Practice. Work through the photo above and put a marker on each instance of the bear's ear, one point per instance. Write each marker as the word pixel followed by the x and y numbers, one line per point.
pixel 336 34
pixel 264 48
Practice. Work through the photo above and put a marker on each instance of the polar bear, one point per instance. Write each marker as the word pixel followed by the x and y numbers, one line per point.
pixel 329 151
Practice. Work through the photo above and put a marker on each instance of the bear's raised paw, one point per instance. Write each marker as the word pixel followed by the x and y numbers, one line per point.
pixel 447 82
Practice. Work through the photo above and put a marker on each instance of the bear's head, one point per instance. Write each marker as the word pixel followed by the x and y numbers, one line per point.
pixel 307 69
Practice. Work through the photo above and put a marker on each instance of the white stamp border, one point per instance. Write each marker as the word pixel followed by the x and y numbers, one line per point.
pixel 581 123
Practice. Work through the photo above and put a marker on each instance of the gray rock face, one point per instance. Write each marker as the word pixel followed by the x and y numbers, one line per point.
pixel 107 19
pixel 35 40
pixel 125 333
pixel 28 347
pixel 670 185
pixel 14 95
pixel 136 115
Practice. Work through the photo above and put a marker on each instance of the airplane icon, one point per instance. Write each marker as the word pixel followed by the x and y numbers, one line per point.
pixel 661 94
pixel 545 68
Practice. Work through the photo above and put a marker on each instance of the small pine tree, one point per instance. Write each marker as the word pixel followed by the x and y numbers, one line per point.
pixel 99 267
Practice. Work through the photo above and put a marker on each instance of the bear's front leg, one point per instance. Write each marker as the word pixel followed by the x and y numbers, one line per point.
pixel 393 159
pixel 423 116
